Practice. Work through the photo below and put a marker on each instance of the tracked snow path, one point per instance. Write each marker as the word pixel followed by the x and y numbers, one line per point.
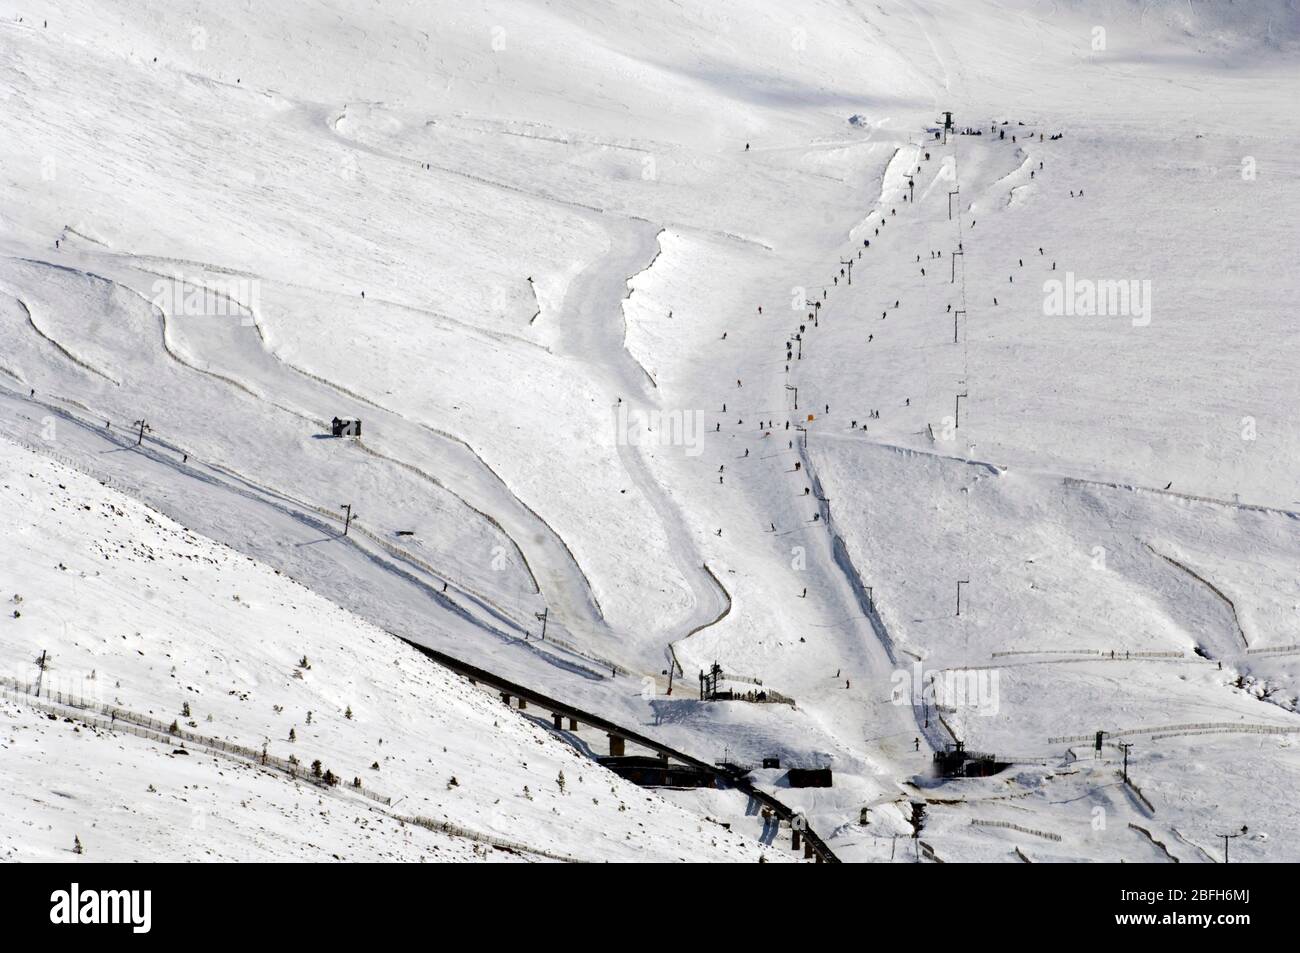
pixel 592 327
pixel 96 401
pixel 233 348
pixel 851 592
pixel 277 530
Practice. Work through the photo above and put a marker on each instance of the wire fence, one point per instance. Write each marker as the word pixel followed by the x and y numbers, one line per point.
pixel 115 718
pixel 1045 652
pixel 1046 835
pixel 1222 596
pixel 1093 653
pixel 72 463
pixel 455 830
pixel 1169 731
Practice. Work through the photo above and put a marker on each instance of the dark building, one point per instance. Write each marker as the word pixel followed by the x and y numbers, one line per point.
pixel 956 762
pixel 809 777
pixel 345 428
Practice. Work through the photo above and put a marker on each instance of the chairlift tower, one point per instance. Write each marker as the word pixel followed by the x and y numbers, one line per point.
pixel 947 126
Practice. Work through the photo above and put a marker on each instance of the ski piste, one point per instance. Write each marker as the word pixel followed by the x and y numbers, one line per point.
pixel 677 433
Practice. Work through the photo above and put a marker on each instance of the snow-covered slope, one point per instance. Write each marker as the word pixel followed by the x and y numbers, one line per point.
pixel 133 612
pixel 565 261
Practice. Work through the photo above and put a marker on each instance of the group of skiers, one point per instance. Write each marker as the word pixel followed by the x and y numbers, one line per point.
pixel 793 345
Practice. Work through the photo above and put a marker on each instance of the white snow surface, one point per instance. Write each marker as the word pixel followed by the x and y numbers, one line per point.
pixel 135 612
pixel 565 218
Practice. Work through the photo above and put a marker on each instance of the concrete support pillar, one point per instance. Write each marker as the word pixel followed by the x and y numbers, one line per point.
pixel 819 859
pixel 807 849
pixel 505 697
pixel 795 839
pixel 615 746
pixel 523 703
pixel 573 724
pixel 557 721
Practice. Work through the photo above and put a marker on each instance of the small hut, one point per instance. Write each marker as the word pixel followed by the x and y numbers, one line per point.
pixel 345 428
